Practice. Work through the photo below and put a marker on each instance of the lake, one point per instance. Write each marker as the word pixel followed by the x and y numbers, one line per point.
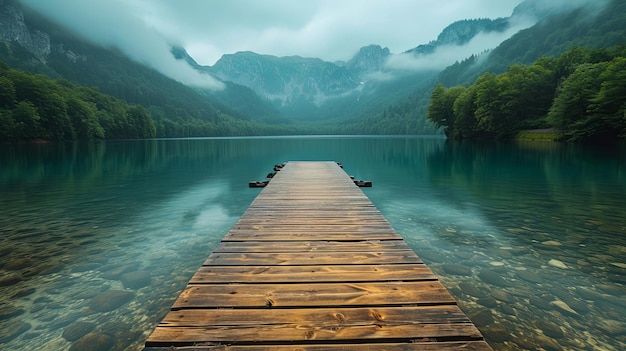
pixel 100 238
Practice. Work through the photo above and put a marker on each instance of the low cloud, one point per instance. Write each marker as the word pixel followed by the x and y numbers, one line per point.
pixel 104 24
pixel 447 55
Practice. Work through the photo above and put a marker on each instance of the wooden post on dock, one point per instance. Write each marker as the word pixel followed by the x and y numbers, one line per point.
pixel 313 265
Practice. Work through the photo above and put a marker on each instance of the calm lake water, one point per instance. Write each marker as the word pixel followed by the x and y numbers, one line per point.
pixel 97 240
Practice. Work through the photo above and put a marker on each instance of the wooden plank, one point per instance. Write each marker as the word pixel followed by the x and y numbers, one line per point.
pixel 313 265
pixel 313 295
pixel 288 333
pixel 310 245
pixel 306 220
pixel 303 236
pixel 310 258
pixel 309 274
pixel 322 317
pixel 414 345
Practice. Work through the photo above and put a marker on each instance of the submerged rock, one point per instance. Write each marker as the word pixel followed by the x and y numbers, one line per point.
pixel 557 264
pixel 548 343
pixel 456 269
pixel 492 278
pixel 10 279
pixel 13 330
pixel 482 318
pixel 550 329
pixel 136 279
pixel 77 330
pixel 612 327
pixel 551 243
pixel 496 333
pixel 93 342
pixel 110 300
pixel 502 295
pixel 563 306
pixel 471 289
pixel 530 276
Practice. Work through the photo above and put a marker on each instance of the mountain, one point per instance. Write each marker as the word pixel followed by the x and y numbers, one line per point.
pixel 597 24
pixel 461 32
pixel 312 90
pixel 238 99
pixel 286 80
pixel 30 42
pixel 369 59
pixel 559 30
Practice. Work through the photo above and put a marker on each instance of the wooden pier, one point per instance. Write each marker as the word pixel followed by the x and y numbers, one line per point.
pixel 313 265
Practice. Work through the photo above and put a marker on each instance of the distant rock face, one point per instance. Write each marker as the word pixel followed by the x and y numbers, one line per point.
pixel 14 29
pixel 284 80
pixel 461 32
pixel 369 59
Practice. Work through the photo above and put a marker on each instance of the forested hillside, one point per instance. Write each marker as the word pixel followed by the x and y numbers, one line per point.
pixel 580 94
pixel 37 107
pixel 551 37
pixel 175 109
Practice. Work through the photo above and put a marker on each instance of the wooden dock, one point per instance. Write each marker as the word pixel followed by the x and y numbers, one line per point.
pixel 313 265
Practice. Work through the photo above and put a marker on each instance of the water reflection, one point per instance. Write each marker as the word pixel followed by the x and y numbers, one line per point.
pixel 96 240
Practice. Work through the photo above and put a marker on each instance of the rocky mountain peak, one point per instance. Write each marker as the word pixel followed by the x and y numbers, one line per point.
pixel 369 59
pixel 285 79
pixel 461 32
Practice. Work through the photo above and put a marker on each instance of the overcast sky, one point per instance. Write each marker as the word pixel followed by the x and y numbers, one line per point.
pixel 328 29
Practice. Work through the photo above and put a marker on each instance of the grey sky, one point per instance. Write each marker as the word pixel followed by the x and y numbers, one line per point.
pixel 328 29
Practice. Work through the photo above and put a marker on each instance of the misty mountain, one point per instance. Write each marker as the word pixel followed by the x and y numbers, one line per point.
pixel 285 80
pixel 559 30
pixel 32 43
pixel 598 24
pixel 368 60
pixel 315 90
pixel 462 32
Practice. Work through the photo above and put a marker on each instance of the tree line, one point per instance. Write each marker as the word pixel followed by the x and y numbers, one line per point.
pixel 34 106
pixel 581 94
pixel 37 107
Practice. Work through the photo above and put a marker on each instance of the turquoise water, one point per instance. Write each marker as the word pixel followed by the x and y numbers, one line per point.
pixel 96 240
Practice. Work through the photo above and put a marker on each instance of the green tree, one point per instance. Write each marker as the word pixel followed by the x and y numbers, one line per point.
pixel 27 121
pixel 574 97
pixel 84 119
pixel 607 121
pixel 140 122
pixel 7 93
pixel 489 104
pixel 464 112
pixel 441 108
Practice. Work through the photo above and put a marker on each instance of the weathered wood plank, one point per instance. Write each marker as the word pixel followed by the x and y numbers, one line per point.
pixel 310 258
pixel 313 295
pixel 303 236
pixel 414 345
pixel 306 220
pixel 310 245
pixel 312 274
pixel 288 333
pixel 321 317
